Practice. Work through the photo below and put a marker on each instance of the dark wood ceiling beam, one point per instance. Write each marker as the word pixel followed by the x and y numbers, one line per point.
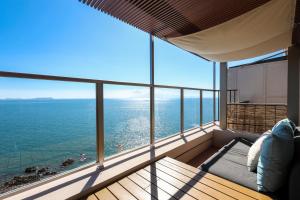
pixel 172 18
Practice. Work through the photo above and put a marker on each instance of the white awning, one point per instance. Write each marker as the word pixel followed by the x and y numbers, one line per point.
pixel 263 30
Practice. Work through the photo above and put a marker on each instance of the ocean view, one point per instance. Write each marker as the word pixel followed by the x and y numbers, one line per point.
pixel 149 100
pixel 46 132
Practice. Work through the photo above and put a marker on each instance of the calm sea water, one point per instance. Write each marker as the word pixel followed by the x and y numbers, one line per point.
pixel 47 132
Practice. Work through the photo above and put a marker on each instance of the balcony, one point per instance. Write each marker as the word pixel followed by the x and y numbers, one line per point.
pixel 109 148
pixel 169 142
pixel 198 136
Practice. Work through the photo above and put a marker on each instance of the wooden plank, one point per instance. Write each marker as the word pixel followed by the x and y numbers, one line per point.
pixel 174 164
pixel 92 197
pixel 121 194
pixel 143 183
pixel 173 191
pixel 182 186
pixel 197 183
pixel 134 189
pixel 158 193
pixel 168 188
pixel 202 179
pixel 169 179
pixel 190 186
pixel 151 188
pixel 105 194
pixel 229 184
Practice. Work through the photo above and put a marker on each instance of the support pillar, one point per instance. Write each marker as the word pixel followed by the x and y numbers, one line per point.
pixel 293 84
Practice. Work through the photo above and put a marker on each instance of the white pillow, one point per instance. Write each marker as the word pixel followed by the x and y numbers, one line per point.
pixel 254 152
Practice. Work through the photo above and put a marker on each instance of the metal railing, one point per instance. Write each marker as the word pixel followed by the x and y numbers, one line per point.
pixel 99 91
pixel 232 96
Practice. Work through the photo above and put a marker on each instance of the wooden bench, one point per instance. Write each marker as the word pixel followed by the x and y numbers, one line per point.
pixel 171 179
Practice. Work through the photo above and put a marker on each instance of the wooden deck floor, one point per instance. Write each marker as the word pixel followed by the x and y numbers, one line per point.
pixel 171 179
pixel 199 159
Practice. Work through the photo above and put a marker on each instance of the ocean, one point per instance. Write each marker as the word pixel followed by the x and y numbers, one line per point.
pixel 46 132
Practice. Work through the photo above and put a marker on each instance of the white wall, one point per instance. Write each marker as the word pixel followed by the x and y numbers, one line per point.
pixel 260 83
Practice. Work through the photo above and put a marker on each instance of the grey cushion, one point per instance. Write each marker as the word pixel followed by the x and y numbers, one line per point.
pixel 230 163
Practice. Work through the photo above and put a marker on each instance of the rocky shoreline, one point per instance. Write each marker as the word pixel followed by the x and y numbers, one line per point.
pixel 33 174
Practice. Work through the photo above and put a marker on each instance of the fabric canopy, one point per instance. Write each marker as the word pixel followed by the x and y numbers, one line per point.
pixel 262 30
pixel 217 30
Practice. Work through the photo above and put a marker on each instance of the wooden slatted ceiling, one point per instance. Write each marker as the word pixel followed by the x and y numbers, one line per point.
pixel 172 18
pixel 172 180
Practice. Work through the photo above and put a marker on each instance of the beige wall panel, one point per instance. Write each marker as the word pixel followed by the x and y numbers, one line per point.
pixel 260 83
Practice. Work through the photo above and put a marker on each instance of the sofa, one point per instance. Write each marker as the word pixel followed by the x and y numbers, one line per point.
pixel 230 162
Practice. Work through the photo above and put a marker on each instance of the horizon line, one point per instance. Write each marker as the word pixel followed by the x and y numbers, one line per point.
pixel 79 98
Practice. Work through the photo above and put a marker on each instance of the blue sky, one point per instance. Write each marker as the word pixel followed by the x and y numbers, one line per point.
pixel 68 38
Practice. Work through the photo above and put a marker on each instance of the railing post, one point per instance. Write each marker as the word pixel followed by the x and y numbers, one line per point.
pixel 218 105
pixel 152 112
pixel 201 108
pixel 234 96
pixel 100 123
pixel 181 110
pixel 214 106
pixel 152 116
pixel 214 93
